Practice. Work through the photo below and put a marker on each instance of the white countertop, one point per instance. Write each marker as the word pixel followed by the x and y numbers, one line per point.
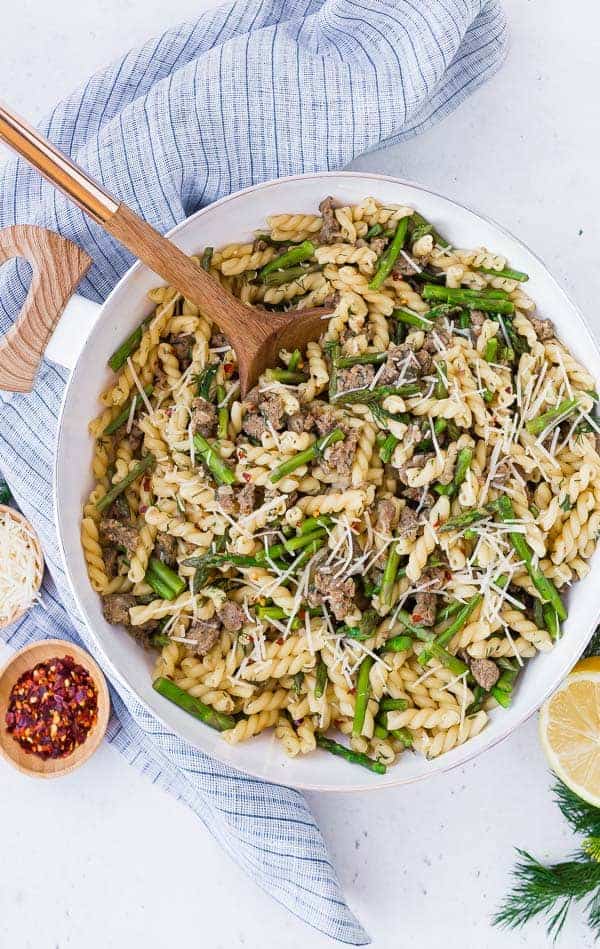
pixel 102 858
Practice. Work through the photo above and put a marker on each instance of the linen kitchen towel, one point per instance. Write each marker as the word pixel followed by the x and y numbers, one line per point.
pixel 250 91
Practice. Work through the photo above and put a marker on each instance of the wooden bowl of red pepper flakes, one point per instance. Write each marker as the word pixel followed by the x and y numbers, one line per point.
pixel 54 708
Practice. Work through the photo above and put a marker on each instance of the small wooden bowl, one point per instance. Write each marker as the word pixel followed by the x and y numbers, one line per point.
pixel 26 659
pixel 39 559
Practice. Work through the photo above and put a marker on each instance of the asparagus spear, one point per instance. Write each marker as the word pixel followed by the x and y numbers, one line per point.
pixel 354 757
pixel 275 612
pixel 223 414
pixel 486 304
pixel 441 387
pixel 388 704
pixel 505 272
pixel 363 692
pixel 366 359
pixel 289 258
pixel 403 735
pixel 320 678
pixel 123 416
pixel 289 376
pixel 122 354
pixel 207 258
pixel 204 381
pixel 537 425
pixel 411 319
pixel 464 520
pixel 366 396
pixel 295 360
pixel 312 523
pixel 192 705
pixel 213 461
pixel 390 255
pixel 490 353
pixel 291 545
pixel 304 457
pixel 543 585
pixel 397 644
pixel 448 611
pixel 463 463
pixel 551 620
pixel 136 472
pixel 374 231
pixel 450 632
pixel 421 225
pixel 387 447
pixel 389 577
pixel 333 349
pixel 279 277
pixel 167 584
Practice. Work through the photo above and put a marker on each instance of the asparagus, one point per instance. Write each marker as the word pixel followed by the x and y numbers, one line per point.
pixel 167 584
pixel 403 735
pixel 463 463
pixel 136 472
pixel 388 704
pixel 426 444
pixel 450 632
pixel 389 577
pixel 390 255
pixel 424 227
pixel 505 272
pixel 223 414
pixel 296 255
pixel 192 705
pixel 420 632
pixel 488 396
pixel 207 258
pixel 441 387
pixel 379 731
pixel 374 231
pixel 311 523
pixel 354 757
pixel 456 666
pixel 464 320
pixel 279 277
pixel 448 611
pixel 366 627
pixel 543 585
pixel 366 396
pixel 5 494
pixel 333 349
pixel 289 376
pixel 158 640
pixel 304 457
pixel 490 353
pixel 122 354
pixel 538 614
pixel 291 545
pixel 411 319
pixel 123 416
pixel 297 682
pixel 320 679
pixel 551 620
pixel 366 359
pixel 204 381
pixel 537 425
pixel 464 520
pixel 486 304
pixel 295 360
pixel 397 644
pixel 387 447
pixel 213 461
pixel 275 612
pixel 308 552
pixel 363 692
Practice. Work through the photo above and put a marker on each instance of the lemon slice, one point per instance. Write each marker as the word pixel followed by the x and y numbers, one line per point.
pixel 570 730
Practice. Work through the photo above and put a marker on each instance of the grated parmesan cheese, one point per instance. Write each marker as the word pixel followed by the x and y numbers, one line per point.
pixel 19 568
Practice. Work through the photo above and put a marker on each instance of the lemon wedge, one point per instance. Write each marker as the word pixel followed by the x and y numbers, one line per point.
pixel 569 725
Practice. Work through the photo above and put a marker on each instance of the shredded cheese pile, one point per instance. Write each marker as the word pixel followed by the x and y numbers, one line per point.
pixel 19 568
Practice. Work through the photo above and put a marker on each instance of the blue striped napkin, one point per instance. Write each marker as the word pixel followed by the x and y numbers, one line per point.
pixel 304 86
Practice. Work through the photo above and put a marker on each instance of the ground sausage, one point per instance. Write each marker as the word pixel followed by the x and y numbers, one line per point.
pixel 249 499
pixel 204 417
pixel 386 516
pixel 182 346
pixel 485 672
pixel 299 422
pixel 218 341
pixel 477 320
pixel 339 457
pixel 425 609
pixel 116 606
pixel 405 267
pixel 226 498
pixel 335 591
pixel 117 534
pixel 544 329
pixel 330 229
pixel 205 633
pixel 232 616
pixel 272 409
pixel 165 549
pixel 254 425
pixel 358 377
pixel 408 524
pixel 323 416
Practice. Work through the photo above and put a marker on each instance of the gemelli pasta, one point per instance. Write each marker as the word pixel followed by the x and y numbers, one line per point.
pixel 363 552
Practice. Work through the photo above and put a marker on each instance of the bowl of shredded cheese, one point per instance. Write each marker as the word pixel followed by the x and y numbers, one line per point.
pixel 21 565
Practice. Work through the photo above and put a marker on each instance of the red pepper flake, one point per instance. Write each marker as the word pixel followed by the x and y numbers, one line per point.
pixel 228 368
pixel 146 483
pixel 142 508
pixel 280 641
pixel 52 708
pixel 246 476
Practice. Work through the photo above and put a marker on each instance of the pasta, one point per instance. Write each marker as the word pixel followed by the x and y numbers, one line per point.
pixel 373 541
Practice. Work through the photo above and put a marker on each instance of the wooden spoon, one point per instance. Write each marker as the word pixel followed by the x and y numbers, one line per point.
pixel 256 335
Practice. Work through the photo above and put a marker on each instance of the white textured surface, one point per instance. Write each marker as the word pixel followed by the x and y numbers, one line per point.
pixel 424 864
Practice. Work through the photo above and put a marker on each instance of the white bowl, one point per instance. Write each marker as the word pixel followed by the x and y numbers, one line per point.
pixel 236 218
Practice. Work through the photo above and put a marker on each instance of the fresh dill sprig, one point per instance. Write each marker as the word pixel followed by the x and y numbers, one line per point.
pixel 552 890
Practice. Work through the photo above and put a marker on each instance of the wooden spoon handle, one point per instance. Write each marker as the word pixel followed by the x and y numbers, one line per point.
pixel 58 265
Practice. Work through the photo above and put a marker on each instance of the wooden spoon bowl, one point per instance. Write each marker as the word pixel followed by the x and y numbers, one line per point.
pixel 21 662
pixel 37 553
